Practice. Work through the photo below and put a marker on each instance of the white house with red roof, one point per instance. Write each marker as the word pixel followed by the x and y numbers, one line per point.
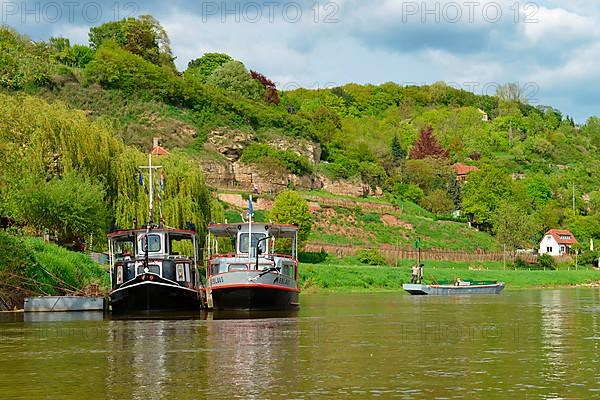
pixel 557 242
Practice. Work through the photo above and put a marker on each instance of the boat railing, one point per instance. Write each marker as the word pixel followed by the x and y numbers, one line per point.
pixel 245 255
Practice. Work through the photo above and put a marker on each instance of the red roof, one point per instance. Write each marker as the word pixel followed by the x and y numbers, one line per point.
pixel 557 233
pixel 463 169
pixel 159 151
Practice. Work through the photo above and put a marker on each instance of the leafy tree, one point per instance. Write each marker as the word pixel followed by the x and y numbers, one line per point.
pixel 538 189
pixel 203 67
pixel 233 76
pixel 585 228
pixel 143 36
pixel 485 190
pixel 512 226
pixel 110 31
pixel 24 64
pixel 427 146
pixel 398 153
pixel 116 68
pixel 511 92
pixel 271 94
pixel 437 202
pixel 408 192
pixel 290 208
pixel 72 207
pixel 429 173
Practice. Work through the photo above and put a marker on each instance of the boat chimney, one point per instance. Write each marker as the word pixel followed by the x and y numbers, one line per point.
pixel 155 142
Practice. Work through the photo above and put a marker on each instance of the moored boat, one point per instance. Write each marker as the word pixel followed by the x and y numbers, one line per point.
pixel 454 288
pixel 148 274
pixel 253 276
pixel 154 268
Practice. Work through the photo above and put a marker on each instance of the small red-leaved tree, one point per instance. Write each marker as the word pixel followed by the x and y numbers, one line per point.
pixel 271 94
pixel 427 146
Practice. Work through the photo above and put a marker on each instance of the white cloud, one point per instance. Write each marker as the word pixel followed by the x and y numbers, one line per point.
pixel 559 25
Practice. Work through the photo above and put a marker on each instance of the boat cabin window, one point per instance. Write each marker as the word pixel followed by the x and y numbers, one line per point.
pixel 154 243
pixel 243 242
pixel 181 246
pixel 288 270
pixel 238 267
pixel 123 249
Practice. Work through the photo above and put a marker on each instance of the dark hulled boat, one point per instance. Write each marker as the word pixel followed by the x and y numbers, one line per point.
pixel 154 268
pixel 148 274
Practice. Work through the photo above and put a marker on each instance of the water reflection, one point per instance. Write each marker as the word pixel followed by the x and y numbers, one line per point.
pixel 252 358
pixel 63 316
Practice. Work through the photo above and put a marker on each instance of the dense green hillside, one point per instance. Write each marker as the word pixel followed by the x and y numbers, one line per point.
pixel 537 169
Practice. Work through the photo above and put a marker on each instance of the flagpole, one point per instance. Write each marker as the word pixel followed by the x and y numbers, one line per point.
pixel 250 212
pixel 151 188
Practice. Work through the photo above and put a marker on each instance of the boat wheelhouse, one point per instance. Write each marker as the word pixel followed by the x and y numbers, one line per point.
pixel 253 276
pixel 154 269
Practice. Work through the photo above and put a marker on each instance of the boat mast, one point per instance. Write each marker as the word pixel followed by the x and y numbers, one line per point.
pixel 150 168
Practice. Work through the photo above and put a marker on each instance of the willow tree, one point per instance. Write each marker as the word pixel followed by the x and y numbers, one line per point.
pixel 47 141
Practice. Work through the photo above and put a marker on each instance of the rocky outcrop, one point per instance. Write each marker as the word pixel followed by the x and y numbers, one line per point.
pixel 302 147
pixel 218 173
pixel 344 187
pixel 267 177
pixel 229 142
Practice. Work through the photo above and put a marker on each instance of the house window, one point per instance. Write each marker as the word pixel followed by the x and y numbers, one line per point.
pixel 548 249
pixel 562 249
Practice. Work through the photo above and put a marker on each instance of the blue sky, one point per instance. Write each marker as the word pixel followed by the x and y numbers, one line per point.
pixel 549 48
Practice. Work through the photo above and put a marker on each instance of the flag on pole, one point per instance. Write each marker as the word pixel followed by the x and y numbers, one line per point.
pixel 162 180
pixel 418 243
pixel 250 208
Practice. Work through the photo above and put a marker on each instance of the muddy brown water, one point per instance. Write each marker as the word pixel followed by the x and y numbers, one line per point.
pixel 539 344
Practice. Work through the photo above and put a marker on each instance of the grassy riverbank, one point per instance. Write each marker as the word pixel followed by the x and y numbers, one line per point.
pixel 30 267
pixel 343 278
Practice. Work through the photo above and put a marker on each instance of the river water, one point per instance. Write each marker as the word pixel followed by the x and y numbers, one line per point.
pixel 539 344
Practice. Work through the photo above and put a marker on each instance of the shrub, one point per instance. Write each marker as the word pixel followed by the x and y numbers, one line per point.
pixel 371 257
pixel 292 162
pixel 312 257
pixel 521 264
pixel 546 261
pixel 589 258
pixel 409 192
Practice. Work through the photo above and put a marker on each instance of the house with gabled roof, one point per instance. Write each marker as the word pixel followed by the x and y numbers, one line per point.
pixel 557 242
pixel 462 170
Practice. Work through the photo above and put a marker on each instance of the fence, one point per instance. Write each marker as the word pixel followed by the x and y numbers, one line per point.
pixel 393 254
pixel 369 206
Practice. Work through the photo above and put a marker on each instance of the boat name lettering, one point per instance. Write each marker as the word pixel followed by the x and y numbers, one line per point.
pixel 216 280
pixel 282 281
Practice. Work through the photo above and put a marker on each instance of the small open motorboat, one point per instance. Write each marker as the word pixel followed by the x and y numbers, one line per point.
pixel 454 288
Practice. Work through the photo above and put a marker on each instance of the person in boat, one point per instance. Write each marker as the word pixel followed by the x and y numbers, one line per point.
pixel 420 276
pixel 415 273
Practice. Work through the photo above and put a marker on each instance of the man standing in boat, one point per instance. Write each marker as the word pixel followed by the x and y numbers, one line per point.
pixel 420 276
pixel 416 269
